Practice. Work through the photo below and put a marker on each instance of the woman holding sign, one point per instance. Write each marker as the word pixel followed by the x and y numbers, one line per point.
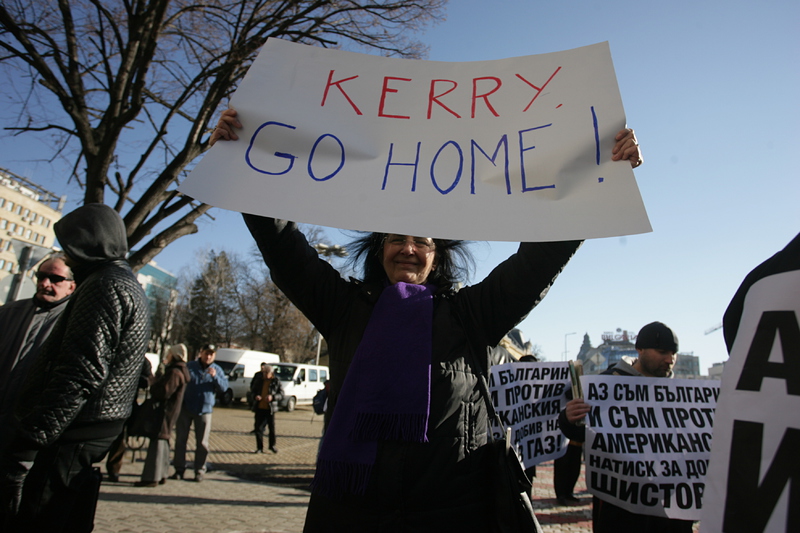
pixel 406 421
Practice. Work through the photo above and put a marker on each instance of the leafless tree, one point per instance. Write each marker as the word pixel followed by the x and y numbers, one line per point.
pixel 124 90
pixel 231 302
pixel 537 352
pixel 269 321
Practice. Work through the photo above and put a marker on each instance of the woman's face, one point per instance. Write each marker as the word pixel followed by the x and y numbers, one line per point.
pixel 408 259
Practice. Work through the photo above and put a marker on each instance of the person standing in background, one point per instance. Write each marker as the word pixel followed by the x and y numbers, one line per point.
pixel 168 389
pixel 267 392
pixel 24 326
pixel 566 471
pixel 207 379
pixel 657 346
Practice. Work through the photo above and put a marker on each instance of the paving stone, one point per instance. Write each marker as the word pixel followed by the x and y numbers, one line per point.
pixel 244 492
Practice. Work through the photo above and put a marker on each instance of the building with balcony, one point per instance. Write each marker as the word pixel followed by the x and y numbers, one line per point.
pixel 27 214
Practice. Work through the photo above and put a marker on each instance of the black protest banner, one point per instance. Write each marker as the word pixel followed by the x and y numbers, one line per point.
pixel 754 474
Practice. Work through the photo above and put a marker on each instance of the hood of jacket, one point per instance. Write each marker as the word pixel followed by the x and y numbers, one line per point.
pixel 180 368
pixel 93 233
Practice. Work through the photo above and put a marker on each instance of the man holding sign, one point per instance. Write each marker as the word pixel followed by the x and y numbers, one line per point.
pixel 405 445
pixel 657 346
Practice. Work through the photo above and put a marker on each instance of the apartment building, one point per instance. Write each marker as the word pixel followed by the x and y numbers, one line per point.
pixel 27 214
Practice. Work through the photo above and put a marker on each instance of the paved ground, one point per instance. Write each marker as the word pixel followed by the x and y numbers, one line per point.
pixel 265 493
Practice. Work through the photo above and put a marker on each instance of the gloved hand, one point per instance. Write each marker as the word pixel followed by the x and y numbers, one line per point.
pixel 13 472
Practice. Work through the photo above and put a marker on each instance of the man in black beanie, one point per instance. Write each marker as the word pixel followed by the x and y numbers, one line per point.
pixel 80 390
pixel 657 346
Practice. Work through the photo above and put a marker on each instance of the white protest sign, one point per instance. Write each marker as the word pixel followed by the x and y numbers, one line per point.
pixel 648 442
pixel 755 462
pixel 515 149
pixel 528 398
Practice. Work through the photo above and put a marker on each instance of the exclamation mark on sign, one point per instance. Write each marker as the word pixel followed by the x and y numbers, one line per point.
pixel 596 142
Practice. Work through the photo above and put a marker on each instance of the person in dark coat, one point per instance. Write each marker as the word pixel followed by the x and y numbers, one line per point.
pixel 24 326
pixel 757 419
pixel 168 389
pixel 80 389
pixel 406 422
pixel 267 391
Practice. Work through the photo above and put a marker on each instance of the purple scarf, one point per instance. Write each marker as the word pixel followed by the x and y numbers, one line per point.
pixel 386 392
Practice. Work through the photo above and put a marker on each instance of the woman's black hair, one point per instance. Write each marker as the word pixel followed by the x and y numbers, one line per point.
pixel 454 262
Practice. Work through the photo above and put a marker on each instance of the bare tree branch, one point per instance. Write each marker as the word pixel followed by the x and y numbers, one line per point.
pixel 134 84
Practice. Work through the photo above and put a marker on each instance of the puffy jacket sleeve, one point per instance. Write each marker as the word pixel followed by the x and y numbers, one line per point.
pixel 277 394
pixel 310 282
pixel 514 288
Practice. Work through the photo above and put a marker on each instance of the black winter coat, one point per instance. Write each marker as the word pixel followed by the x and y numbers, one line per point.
pixel 17 319
pixel 439 485
pixel 275 389
pixel 169 388
pixel 83 383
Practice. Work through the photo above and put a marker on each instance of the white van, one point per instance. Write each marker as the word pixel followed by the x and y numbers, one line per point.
pixel 240 366
pixel 300 382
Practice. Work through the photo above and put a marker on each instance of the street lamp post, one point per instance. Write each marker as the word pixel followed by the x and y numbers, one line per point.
pixel 565 343
pixel 327 251
pixel 27 256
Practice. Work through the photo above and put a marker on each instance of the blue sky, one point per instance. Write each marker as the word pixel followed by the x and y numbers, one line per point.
pixel 711 89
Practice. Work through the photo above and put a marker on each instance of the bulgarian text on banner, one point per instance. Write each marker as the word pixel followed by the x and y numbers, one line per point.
pixel 648 442
pixel 528 398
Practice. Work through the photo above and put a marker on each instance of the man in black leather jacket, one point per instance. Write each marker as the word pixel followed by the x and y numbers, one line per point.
pixel 80 391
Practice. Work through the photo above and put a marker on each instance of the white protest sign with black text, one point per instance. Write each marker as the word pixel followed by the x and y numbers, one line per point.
pixel 528 398
pixel 515 149
pixel 648 442
pixel 754 476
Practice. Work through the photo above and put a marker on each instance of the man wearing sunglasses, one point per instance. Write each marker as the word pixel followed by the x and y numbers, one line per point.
pixel 25 324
